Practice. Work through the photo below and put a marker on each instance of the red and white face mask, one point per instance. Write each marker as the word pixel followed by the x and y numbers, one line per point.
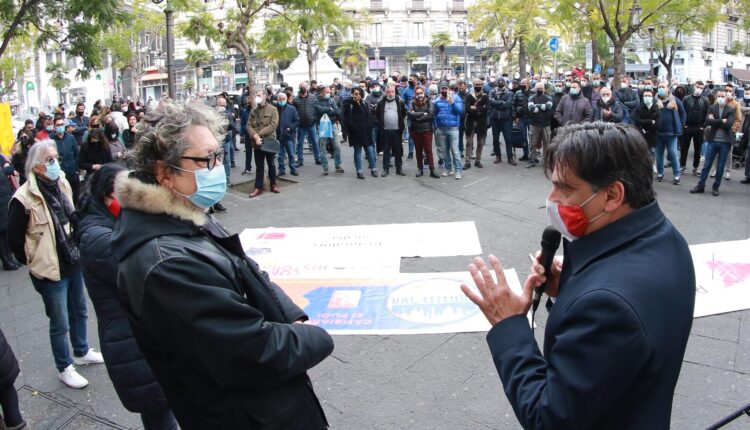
pixel 570 220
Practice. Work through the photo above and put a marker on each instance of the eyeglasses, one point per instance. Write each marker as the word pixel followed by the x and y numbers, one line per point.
pixel 51 160
pixel 211 161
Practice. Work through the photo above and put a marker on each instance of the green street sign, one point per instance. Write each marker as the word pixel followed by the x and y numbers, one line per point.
pixel 30 86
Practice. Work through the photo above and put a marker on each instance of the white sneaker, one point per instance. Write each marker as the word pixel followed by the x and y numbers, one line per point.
pixel 91 357
pixel 713 174
pixel 71 378
pixel 654 168
pixel 458 175
pixel 447 172
pixel 727 176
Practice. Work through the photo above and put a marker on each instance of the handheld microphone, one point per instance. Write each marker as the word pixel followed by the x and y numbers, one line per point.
pixel 550 242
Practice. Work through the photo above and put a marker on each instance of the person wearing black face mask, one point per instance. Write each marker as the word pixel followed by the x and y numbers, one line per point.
pixel 520 107
pixel 80 123
pixel 501 117
pixel 540 118
pixel 305 105
pixel 476 105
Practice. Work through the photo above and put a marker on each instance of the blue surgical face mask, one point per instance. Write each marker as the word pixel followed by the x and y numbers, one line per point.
pixel 50 128
pixel 648 100
pixel 60 129
pixel 53 171
pixel 282 103
pixel 661 92
pixel 211 185
pixel 574 91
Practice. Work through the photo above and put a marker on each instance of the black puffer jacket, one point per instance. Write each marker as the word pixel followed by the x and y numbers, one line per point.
pixel 306 109
pixel 422 117
pixel 218 334
pixel 8 363
pixel 135 384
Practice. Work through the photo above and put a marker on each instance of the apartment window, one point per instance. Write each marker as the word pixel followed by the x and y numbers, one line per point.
pixel 58 58
pixel 730 37
pixel 207 72
pixel 707 63
pixel 458 5
pixel 376 4
pixel 418 31
pixel 708 39
pixel 50 58
pixel 417 4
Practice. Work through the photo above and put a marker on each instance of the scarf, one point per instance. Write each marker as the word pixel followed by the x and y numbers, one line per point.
pixel 61 210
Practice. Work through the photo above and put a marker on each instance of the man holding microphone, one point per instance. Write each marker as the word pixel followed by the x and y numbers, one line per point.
pixel 623 298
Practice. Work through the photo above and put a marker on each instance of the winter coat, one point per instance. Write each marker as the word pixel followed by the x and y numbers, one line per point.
pixel 306 109
pixel 628 98
pixel 648 120
pixel 541 115
pixel 501 105
pixel 356 120
pixel 218 334
pixel 288 122
pixel 81 124
pixel 400 109
pixel 327 107
pixel 134 382
pixel 672 116
pixel 617 112
pixel 93 154
pixel 448 115
pixel 6 190
pixel 696 111
pixel 8 364
pixel 520 103
pixel 372 101
pixel 67 148
pixel 482 105
pixel 573 110
pixel 729 113
pixel 421 117
pixel 263 121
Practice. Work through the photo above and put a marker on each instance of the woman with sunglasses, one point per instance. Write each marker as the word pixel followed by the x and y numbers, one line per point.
pixel 40 236
pixel 227 345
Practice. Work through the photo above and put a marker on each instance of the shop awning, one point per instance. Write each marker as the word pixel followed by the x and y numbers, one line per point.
pixel 740 74
pixel 637 68
pixel 240 80
pixel 154 76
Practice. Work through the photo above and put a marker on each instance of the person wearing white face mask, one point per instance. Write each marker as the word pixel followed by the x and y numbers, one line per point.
pixel 39 219
pixel 670 130
pixel 720 118
pixel 606 324
pixel 262 125
pixel 628 98
pixel 203 313
pixel 647 117
pixel 608 109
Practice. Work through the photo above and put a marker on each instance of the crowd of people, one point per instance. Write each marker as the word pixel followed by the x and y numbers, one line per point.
pixel 84 196
pixel 386 115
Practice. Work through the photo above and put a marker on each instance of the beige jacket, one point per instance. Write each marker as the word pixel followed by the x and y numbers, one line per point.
pixel 40 246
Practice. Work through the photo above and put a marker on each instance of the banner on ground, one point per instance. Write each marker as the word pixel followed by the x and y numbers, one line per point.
pixel 722 275
pixel 408 303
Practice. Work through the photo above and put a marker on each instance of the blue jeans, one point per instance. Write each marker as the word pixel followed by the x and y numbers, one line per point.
pixel 65 306
pixel 407 135
pixel 670 143
pixel 712 149
pixel 312 138
pixel 448 139
pixel 506 127
pixel 336 150
pixel 231 146
pixel 370 157
pixel 286 150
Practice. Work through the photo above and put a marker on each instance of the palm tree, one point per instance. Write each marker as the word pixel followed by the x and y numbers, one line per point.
pixel 353 54
pixel 58 80
pixel 538 53
pixel 196 57
pixel 439 41
pixel 410 57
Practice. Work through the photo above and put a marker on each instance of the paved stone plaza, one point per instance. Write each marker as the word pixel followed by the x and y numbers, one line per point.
pixel 443 381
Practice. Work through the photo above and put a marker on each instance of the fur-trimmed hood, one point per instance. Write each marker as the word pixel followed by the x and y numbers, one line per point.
pixel 133 193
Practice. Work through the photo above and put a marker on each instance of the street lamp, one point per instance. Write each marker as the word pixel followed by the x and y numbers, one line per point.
pixel 463 34
pixel 651 44
pixel 168 11
pixel 377 62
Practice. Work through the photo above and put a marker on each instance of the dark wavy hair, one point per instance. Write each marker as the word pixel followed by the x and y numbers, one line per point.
pixel 601 154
